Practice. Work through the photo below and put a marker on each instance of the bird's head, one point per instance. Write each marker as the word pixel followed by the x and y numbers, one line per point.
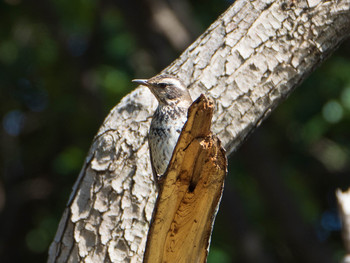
pixel 168 90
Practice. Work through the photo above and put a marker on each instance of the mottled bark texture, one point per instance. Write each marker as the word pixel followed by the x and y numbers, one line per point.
pixel 248 61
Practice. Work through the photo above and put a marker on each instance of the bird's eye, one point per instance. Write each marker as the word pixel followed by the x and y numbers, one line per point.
pixel 162 85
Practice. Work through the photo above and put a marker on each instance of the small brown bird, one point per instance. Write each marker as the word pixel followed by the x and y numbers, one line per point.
pixel 168 120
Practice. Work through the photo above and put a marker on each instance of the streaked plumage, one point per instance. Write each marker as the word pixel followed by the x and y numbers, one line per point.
pixel 168 120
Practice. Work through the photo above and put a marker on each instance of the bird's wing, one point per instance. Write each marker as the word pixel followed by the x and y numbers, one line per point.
pixel 155 175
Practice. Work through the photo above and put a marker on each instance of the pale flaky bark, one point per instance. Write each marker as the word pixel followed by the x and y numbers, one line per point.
pixel 343 199
pixel 248 61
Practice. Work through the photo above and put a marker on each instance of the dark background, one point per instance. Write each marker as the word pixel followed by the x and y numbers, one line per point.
pixel 65 64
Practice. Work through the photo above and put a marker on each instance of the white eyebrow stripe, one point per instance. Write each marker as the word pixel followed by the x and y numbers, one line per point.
pixel 173 82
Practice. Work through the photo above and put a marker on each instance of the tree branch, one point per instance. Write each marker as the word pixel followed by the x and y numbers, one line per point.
pixel 249 60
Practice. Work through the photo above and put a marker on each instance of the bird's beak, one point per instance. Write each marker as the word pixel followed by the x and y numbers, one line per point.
pixel 141 81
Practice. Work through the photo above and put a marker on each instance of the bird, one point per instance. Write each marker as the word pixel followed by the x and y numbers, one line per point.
pixel 168 120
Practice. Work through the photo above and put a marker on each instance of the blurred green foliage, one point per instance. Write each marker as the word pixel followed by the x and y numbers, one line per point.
pixel 65 64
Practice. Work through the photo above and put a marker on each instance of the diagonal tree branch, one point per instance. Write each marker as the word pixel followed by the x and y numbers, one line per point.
pixel 248 61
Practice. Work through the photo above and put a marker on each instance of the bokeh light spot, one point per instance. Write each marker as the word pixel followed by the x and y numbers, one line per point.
pixel 13 122
pixel 314 129
pixel 331 154
pixel 330 221
pixel 115 81
pixel 8 52
pixel 48 51
pixel 37 240
pixel 332 111
pixel 34 98
pixel 69 161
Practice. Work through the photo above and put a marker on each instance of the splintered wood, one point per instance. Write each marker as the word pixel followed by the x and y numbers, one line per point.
pixel 190 192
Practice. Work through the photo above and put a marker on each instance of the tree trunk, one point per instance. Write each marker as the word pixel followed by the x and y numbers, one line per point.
pixel 248 61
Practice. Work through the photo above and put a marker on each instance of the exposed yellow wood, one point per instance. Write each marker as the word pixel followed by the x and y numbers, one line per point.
pixel 189 193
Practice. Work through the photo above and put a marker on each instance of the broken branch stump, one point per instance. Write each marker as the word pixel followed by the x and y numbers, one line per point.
pixel 190 192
